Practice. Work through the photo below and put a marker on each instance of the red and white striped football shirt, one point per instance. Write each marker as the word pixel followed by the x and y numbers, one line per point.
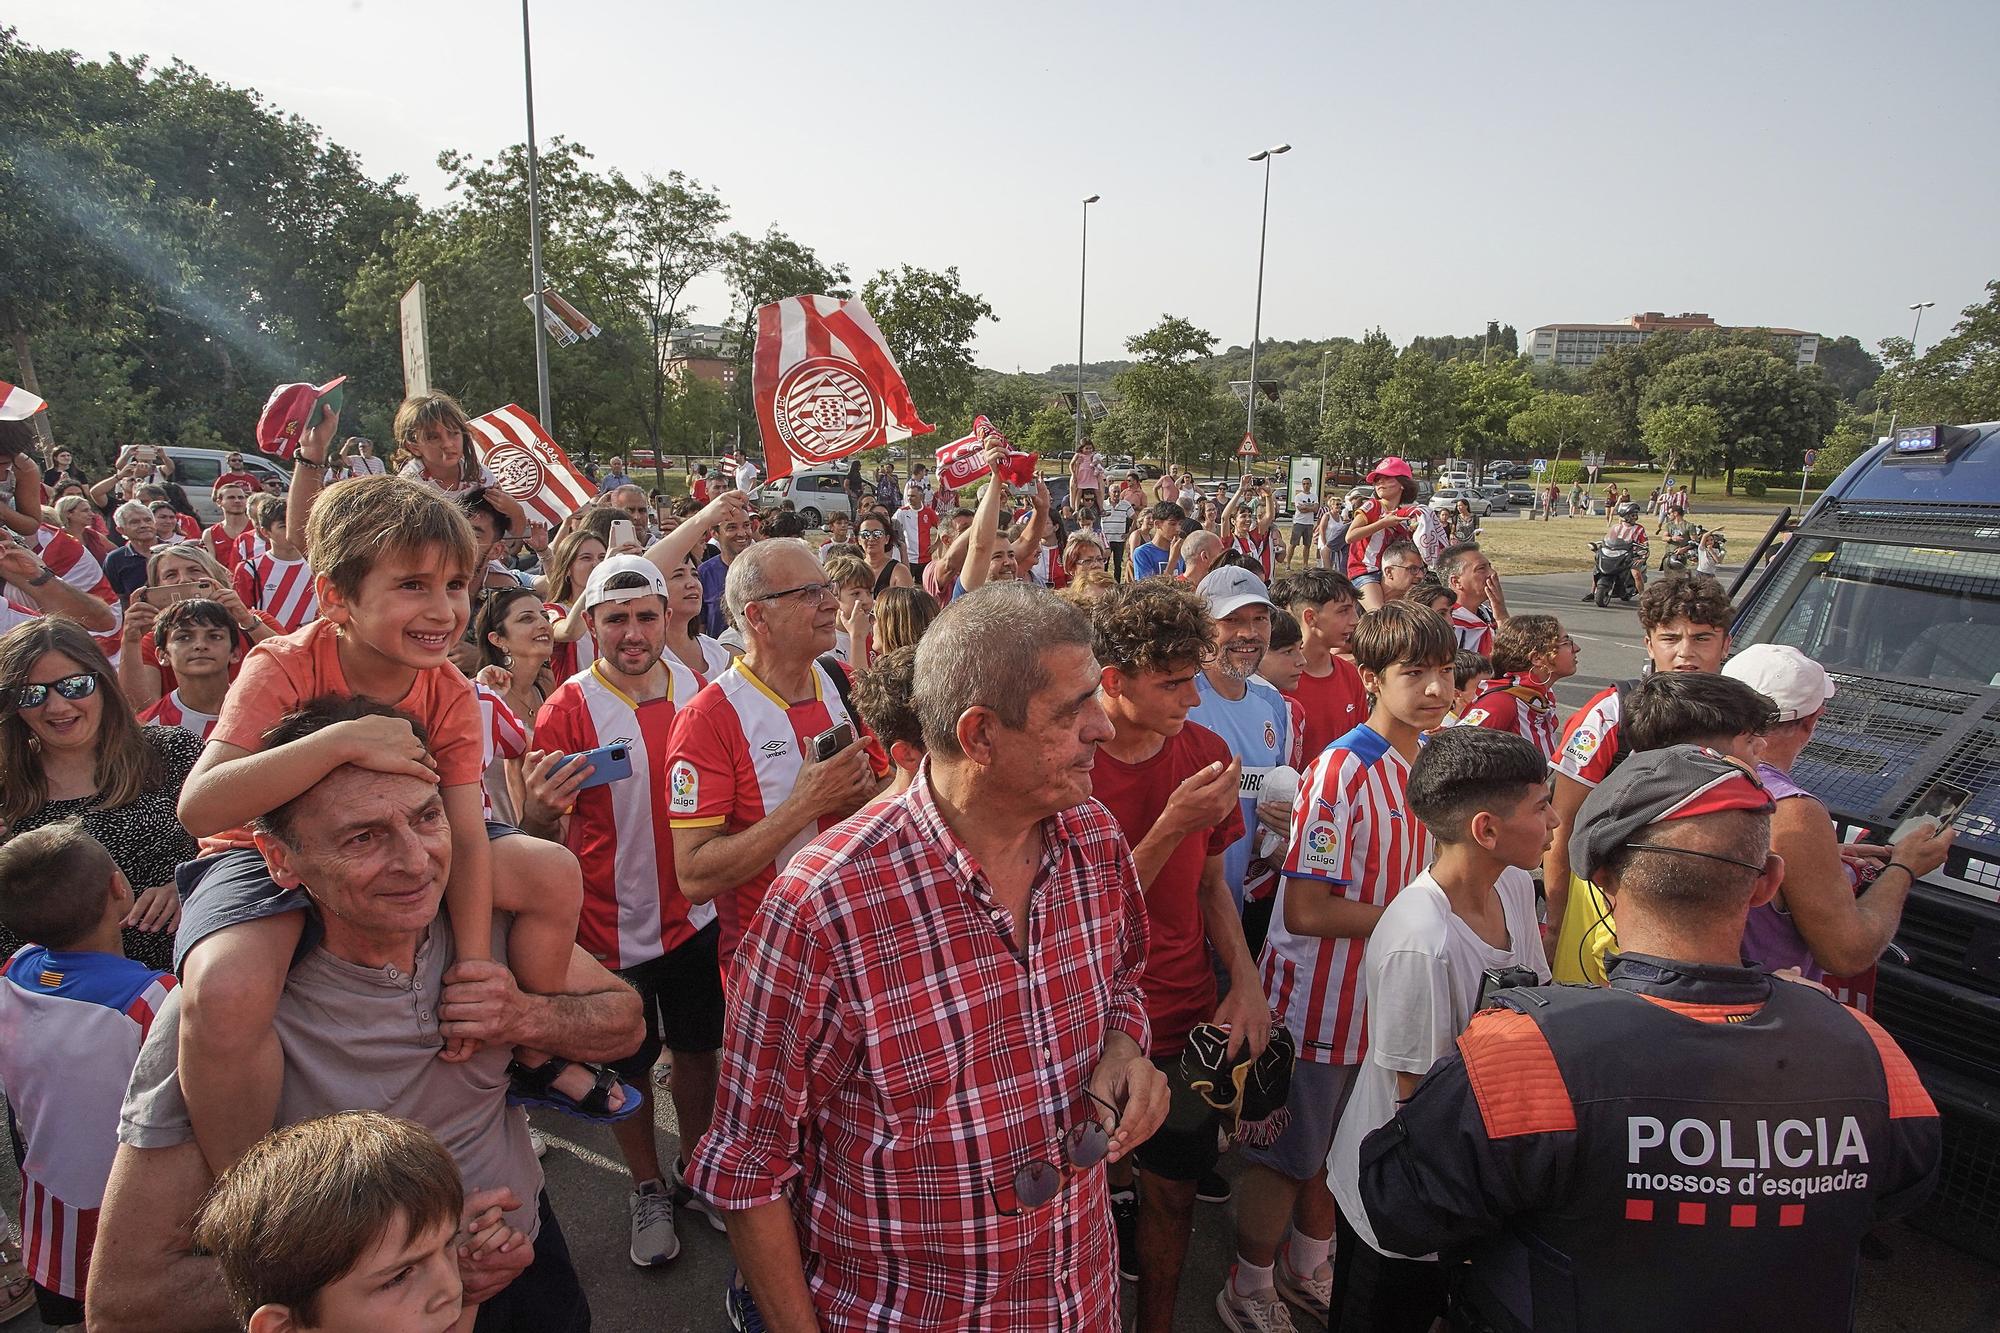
pixel 1258 547
pixel 76 566
pixel 233 551
pixel 1590 740
pixel 70 1029
pixel 1474 631
pixel 501 736
pixel 170 711
pixel 1351 828
pixel 284 588
pixel 633 908
pixel 1520 704
pixel 736 752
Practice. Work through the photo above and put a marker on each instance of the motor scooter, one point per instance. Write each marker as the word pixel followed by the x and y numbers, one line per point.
pixel 1613 575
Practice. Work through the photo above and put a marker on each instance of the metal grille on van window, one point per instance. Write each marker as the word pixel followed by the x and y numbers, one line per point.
pixel 1960 523
pixel 1873 731
pixel 1973 764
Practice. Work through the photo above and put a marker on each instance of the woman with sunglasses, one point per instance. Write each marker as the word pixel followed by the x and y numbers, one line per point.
pixel 72 749
pixel 1530 654
pixel 880 547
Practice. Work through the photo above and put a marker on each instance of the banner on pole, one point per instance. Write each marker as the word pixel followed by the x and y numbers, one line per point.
pixel 416 342
pixel 564 322
pixel 825 384
pixel 529 466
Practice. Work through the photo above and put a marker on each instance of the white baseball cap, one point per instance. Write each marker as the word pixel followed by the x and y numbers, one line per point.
pixel 1231 588
pixel 1794 682
pixel 595 593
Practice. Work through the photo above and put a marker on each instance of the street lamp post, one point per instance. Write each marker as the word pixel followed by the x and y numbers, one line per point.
pixel 1257 320
pixel 1082 289
pixel 535 231
pixel 1919 307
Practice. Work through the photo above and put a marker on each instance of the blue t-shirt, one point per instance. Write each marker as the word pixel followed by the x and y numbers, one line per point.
pixel 1148 560
pixel 1258 730
pixel 712 572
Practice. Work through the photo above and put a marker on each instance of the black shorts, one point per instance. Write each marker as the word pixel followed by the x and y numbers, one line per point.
pixel 232 887
pixel 1186 1145
pixel 681 993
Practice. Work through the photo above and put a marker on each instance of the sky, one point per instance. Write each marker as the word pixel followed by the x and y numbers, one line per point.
pixel 1817 165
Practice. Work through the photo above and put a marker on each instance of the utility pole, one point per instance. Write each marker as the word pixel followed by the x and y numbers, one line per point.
pixel 535 232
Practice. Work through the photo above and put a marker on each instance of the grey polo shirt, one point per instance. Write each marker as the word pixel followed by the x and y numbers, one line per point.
pixel 365 1038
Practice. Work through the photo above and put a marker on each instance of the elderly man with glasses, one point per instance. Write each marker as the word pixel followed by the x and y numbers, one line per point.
pixel 1403 568
pixel 936 1035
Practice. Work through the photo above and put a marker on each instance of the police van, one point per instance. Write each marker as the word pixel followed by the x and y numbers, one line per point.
pixel 1891 581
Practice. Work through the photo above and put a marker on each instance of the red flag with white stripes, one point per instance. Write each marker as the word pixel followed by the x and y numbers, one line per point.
pixel 530 467
pixel 17 404
pixel 826 385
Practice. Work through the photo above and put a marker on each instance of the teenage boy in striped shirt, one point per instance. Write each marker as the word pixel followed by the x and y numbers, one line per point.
pixel 1354 846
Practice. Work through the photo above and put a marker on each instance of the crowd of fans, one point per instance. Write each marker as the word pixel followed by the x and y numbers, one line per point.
pixel 927 865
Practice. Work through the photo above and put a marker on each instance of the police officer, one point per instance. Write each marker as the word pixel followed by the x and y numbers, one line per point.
pixel 1696 1145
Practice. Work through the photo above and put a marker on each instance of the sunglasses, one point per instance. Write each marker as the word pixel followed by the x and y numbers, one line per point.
pixel 812 592
pixel 1038 1181
pixel 80 686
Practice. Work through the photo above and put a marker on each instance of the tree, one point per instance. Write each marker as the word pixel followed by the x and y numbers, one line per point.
pixel 1554 422
pixel 1851 368
pixel 1416 409
pixel 1768 410
pixel 668 233
pixel 1685 434
pixel 1488 395
pixel 1958 380
pixel 1348 431
pixel 1166 390
pixel 929 321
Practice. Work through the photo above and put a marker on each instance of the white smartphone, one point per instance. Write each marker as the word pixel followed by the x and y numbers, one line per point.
pixel 623 534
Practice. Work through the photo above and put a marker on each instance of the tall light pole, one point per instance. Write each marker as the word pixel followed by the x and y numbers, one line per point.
pixel 535 230
pixel 1919 307
pixel 1257 320
pixel 1082 288
pixel 1322 390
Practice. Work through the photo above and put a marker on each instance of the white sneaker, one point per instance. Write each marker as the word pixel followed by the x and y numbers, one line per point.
pixel 1311 1292
pixel 654 1240
pixel 685 1198
pixel 1259 1312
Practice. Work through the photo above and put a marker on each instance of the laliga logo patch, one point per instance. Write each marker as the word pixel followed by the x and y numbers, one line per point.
pixel 684 788
pixel 1583 744
pixel 824 409
pixel 1322 847
pixel 1474 717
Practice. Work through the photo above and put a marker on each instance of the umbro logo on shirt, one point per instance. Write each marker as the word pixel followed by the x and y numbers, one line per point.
pixel 775 747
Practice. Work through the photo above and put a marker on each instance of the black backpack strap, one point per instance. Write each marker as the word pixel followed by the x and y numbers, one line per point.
pixel 837 669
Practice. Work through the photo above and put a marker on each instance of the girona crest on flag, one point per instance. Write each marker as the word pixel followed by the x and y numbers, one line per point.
pixel 825 383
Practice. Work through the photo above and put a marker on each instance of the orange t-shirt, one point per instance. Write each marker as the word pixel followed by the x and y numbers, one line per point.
pixel 287 670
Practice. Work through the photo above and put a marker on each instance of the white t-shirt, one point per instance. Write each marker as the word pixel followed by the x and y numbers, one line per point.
pixel 1305 508
pixel 747 474
pixel 1422 969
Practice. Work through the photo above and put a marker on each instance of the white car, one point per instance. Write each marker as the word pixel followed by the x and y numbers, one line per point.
pixel 814 493
pixel 1447 498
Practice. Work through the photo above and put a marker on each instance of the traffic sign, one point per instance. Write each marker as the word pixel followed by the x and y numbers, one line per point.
pixel 1812 456
pixel 1539 465
pixel 1248 449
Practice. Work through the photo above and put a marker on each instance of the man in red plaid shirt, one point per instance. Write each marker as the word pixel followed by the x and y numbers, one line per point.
pixel 936 1033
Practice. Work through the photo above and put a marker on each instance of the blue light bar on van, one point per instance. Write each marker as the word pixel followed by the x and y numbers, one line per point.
pixel 1929 443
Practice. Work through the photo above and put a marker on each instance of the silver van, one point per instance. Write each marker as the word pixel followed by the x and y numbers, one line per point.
pixel 197 469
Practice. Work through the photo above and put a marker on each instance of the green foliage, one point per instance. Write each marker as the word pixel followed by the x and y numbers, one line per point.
pixel 929 321
pixel 1958 380
pixel 1753 482
pixel 1768 411
pixel 1683 435
pixel 1556 423
pixel 1850 368
pixel 1417 409
pixel 1167 399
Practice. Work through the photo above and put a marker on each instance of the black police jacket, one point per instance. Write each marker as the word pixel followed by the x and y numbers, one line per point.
pixel 1688 1148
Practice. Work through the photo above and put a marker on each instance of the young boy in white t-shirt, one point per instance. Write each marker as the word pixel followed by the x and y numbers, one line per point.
pixel 1484 796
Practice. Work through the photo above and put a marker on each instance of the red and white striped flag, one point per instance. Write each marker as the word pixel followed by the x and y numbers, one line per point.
pixel 826 385
pixel 17 404
pixel 963 461
pixel 530 467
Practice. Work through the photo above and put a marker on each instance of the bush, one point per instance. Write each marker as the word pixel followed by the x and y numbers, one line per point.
pixel 1752 484
pixel 1756 481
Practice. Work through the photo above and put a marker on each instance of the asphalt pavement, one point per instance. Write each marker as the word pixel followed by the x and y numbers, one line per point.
pixel 1919 1285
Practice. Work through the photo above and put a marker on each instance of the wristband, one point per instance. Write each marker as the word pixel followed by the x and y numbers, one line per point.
pixel 42 577
pixel 1898 865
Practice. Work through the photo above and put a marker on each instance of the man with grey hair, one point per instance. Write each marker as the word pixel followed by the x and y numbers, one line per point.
pixel 126 566
pixel 769 753
pixel 1201 551
pixel 937 1036
pixel 637 506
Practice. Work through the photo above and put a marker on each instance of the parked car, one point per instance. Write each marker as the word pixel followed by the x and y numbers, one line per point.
pixel 197 469
pixel 815 492
pixel 1521 494
pixel 643 458
pixel 1447 497
pixel 1497 499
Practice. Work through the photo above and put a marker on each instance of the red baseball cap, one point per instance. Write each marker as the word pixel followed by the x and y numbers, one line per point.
pixel 290 409
pixel 1390 467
